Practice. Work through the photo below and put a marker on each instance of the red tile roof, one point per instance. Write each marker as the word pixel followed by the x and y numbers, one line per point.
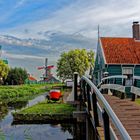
pixel 31 78
pixel 121 50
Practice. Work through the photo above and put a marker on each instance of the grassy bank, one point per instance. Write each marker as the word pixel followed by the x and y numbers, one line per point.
pixel 46 108
pixel 45 112
pixel 12 94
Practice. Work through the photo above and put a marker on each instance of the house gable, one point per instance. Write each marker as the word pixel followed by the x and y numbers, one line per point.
pixel 99 62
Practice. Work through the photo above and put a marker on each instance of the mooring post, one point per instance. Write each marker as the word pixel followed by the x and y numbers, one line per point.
pixel 133 94
pixel 106 125
pixel 75 85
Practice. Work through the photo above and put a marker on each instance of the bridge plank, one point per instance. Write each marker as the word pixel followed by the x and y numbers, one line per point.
pixel 129 114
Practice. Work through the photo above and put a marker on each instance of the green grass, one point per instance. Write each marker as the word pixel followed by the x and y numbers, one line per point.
pixel 46 108
pixel 23 92
pixel 19 92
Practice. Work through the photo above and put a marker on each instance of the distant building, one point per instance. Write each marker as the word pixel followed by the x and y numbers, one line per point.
pixel 51 79
pixel 30 80
pixel 119 56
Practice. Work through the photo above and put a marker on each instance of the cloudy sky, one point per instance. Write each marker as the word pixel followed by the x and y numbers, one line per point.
pixel 31 30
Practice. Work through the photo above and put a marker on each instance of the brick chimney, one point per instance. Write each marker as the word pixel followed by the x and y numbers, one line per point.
pixel 136 30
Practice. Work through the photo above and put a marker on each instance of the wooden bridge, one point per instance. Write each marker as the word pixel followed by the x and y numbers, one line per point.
pixel 113 118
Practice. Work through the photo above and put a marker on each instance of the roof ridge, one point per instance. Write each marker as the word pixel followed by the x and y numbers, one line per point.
pixel 116 37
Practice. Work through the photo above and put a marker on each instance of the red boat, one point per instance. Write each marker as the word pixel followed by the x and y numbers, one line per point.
pixel 55 95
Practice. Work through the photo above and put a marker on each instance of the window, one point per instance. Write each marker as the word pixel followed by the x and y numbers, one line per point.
pixel 129 72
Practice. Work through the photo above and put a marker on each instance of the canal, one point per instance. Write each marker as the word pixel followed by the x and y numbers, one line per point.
pixel 65 131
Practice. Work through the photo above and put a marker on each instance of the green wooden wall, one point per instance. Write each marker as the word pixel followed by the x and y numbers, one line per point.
pixel 115 70
pixel 137 73
pixel 99 66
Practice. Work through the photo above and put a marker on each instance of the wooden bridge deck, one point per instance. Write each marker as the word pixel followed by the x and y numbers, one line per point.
pixel 129 114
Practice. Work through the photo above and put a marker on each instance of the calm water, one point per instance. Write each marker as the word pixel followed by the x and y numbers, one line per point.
pixel 33 132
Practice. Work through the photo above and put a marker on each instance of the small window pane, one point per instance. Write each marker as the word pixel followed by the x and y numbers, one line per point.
pixel 127 70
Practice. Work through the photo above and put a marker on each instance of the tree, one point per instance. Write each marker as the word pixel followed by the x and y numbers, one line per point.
pixel 16 76
pixel 78 60
pixel 4 69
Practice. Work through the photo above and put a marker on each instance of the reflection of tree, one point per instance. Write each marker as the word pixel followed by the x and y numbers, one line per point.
pixel 77 129
pixel 2 136
pixel 68 127
pixel 3 110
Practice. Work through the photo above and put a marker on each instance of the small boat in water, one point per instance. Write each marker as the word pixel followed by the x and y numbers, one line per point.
pixel 54 95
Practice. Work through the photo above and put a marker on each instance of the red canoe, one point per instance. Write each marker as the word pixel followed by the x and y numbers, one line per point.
pixel 55 95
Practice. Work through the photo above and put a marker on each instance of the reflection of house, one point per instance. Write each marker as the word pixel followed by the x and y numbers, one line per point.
pixel 119 56
pixel 31 80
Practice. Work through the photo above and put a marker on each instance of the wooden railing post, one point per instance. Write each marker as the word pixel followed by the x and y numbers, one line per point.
pixel 133 94
pixel 105 74
pixel 81 92
pixel 84 90
pixel 122 96
pixel 75 85
pixel 106 125
pixel 88 98
pixel 113 91
pixel 94 101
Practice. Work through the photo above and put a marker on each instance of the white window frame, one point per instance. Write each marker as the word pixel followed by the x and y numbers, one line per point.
pixel 128 73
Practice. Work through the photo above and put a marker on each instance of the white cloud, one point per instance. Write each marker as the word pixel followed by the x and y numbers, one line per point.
pixel 84 18
pixel 20 3
pixel 80 18
pixel 20 56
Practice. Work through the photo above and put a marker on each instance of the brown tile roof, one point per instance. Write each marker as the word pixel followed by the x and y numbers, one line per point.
pixel 31 78
pixel 121 50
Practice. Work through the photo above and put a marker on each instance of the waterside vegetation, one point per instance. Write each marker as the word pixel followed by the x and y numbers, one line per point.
pixel 17 95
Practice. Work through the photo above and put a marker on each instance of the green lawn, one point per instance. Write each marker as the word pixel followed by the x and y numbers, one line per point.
pixel 49 108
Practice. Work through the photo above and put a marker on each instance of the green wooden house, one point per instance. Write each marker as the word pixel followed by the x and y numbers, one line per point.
pixel 119 56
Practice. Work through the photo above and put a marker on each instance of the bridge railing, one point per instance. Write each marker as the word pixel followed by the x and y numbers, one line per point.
pixel 134 89
pixel 100 111
pixel 109 83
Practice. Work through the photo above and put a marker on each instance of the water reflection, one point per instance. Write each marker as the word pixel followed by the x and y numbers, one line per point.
pixel 3 110
pixel 64 131
pixel 31 131
pixel 35 132
pixel 90 132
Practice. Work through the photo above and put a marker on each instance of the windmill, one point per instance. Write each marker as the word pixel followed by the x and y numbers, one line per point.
pixel 47 75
